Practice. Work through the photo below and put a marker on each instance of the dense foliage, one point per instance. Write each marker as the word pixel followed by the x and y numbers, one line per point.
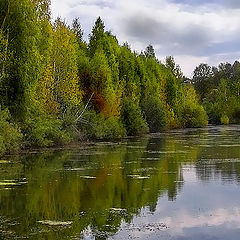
pixel 56 87
pixel 219 89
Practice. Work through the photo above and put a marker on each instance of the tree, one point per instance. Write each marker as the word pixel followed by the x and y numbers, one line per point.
pixel 155 114
pixel 3 56
pixel 149 52
pixel 225 70
pixel 77 29
pixel 106 97
pixel 202 79
pixel 175 68
pixel 128 74
pixel 59 84
pixel 18 21
pixel 43 8
pixel 97 37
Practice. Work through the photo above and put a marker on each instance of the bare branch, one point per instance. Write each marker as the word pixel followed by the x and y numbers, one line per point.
pixel 84 108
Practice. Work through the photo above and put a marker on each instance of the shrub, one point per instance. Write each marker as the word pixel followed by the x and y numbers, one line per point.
pixel 194 116
pixel 114 128
pixel 132 118
pixel 214 113
pixel 224 120
pixel 96 126
pixel 155 114
pixel 236 115
pixel 43 131
pixel 10 134
pixel 2 146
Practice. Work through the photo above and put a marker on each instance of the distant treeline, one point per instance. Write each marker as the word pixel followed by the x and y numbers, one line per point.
pixel 56 88
pixel 219 90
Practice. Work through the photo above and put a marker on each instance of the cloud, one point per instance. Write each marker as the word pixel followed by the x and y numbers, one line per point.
pixel 215 218
pixel 210 3
pixel 192 39
pixel 200 30
pixel 98 3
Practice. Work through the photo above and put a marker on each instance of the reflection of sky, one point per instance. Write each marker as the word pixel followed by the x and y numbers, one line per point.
pixel 203 211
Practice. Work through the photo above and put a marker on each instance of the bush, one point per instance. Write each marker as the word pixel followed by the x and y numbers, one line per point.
pixel 224 120
pixel 214 114
pixel 194 116
pixel 43 131
pixel 96 126
pixel 155 114
pixel 10 134
pixel 114 128
pixel 132 118
pixel 236 115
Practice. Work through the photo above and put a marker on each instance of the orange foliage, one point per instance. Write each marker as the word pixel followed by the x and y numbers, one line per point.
pixel 99 102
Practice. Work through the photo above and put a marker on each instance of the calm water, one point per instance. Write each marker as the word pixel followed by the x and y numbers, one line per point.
pixel 178 185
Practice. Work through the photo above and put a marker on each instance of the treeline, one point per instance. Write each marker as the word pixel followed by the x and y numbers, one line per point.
pixel 55 87
pixel 219 90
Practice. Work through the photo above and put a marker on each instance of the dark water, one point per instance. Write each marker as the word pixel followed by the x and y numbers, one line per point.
pixel 180 185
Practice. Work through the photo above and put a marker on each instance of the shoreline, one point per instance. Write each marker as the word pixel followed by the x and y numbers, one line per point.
pixel 89 143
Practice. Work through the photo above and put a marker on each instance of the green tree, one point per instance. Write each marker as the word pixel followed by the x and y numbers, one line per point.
pixel 155 114
pixel 43 8
pixel 18 21
pixel 150 52
pixel 77 29
pixel 132 118
pixel 175 68
pixel 97 37
pixel 202 76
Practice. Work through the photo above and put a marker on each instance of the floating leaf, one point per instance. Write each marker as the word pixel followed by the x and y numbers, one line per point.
pixel 138 176
pixel 75 169
pixel 88 177
pixel 12 182
pixel 55 223
pixel 4 161
pixel 118 209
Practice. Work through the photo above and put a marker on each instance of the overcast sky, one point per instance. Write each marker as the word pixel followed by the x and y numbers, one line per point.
pixel 193 31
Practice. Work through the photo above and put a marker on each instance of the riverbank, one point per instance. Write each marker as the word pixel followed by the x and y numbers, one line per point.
pixel 87 143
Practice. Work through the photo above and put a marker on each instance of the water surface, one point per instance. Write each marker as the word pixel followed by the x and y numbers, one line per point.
pixel 178 185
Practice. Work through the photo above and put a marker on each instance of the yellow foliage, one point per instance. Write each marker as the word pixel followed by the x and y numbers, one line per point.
pixel 224 120
pixel 64 63
pixel 112 107
pixel 172 121
pixel 45 90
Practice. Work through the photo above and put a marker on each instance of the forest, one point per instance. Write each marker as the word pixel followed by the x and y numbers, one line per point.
pixel 56 87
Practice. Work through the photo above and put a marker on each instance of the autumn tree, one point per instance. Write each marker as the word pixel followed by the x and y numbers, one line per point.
pixel 59 84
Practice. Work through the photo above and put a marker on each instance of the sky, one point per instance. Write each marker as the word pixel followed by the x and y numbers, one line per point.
pixel 193 31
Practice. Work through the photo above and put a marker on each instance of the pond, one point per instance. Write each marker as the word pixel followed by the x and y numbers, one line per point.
pixel 183 184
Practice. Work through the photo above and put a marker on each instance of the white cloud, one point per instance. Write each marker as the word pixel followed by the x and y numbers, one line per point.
pixel 215 218
pixel 193 33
